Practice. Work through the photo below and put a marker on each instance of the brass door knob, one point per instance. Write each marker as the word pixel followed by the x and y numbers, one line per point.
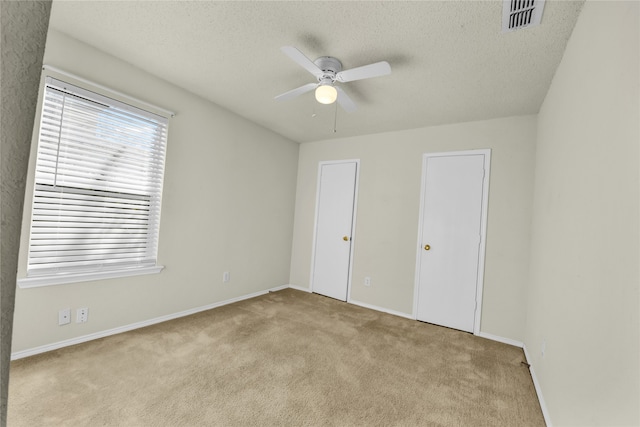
pixel 427 247
pixel 345 238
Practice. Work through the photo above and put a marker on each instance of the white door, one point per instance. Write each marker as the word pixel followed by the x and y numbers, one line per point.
pixel 451 252
pixel 334 224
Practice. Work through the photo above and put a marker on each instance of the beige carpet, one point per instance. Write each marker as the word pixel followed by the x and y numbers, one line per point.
pixel 284 359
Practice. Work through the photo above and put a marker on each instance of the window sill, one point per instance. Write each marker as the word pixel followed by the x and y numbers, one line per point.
pixel 62 279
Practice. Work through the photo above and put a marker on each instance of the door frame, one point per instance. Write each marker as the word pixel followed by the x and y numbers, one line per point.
pixel 486 152
pixel 353 220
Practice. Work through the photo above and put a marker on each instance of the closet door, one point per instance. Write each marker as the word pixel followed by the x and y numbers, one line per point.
pixel 333 229
pixel 451 252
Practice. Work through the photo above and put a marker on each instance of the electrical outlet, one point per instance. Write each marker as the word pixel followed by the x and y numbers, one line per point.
pixel 64 316
pixel 82 315
pixel 226 276
pixel 367 281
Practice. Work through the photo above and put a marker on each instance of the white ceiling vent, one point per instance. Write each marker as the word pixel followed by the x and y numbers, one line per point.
pixel 518 14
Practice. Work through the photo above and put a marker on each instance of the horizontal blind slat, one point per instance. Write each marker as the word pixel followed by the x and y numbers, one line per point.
pixel 57 246
pixel 62 239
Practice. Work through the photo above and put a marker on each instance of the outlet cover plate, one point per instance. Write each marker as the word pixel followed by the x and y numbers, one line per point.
pixel 82 315
pixel 64 316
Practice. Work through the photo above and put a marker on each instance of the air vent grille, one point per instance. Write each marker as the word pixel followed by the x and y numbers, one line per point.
pixel 518 14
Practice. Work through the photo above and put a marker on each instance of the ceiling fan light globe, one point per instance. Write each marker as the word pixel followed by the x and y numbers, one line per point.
pixel 326 94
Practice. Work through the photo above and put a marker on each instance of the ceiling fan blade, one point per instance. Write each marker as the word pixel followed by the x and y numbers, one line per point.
pixel 365 72
pixel 299 58
pixel 345 102
pixel 296 92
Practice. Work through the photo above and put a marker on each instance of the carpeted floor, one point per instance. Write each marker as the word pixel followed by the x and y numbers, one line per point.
pixel 287 358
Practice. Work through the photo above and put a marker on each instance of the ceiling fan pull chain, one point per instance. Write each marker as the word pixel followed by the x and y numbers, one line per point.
pixel 335 117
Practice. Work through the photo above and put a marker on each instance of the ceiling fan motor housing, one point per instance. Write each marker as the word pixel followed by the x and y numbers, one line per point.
pixel 330 67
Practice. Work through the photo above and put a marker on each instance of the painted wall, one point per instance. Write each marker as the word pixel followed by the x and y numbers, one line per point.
pixel 584 291
pixel 24 29
pixel 386 234
pixel 228 205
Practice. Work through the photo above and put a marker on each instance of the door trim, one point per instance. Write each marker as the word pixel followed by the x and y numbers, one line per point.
pixel 483 229
pixel 353 220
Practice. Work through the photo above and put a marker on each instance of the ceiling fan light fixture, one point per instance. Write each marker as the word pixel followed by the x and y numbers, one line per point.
pixel 326 94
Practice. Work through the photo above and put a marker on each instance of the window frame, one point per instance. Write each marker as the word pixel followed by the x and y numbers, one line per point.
pixel 101 94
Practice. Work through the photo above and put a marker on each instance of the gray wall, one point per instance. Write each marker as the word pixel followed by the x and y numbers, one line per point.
pixel 23 26
pixel 583 295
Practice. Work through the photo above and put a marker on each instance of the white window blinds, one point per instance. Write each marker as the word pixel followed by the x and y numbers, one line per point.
pixel 98 184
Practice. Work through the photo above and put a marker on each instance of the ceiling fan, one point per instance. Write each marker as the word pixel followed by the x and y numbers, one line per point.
pixel 327 71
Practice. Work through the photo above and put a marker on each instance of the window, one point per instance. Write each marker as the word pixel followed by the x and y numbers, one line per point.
pixel 98 185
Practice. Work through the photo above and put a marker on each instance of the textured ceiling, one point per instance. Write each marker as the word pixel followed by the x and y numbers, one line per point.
pixel 450 61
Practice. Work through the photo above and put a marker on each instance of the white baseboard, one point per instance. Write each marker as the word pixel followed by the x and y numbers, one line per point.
pixel 536 384
pixel 300 288
pixel 384 310
pixel 84 338
pixel 500 339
